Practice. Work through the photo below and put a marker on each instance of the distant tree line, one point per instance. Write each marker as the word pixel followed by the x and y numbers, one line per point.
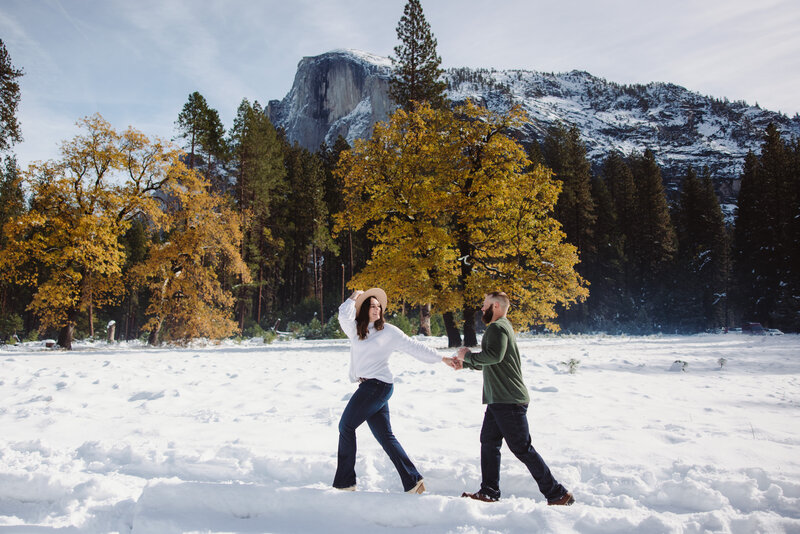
pixel 659 265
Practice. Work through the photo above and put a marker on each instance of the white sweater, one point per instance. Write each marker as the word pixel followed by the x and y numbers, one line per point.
pixel 369 357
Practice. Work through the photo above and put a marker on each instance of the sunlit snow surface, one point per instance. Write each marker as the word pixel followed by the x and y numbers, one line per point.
pixel 242 438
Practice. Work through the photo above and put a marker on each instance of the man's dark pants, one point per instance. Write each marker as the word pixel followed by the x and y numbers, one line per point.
pixel 510 422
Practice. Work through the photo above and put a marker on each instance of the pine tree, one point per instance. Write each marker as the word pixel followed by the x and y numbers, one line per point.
pixel 214 151
pixel 12 199
pixel 201 128
pixel 766 242
pixel 619 180
pixel 304 229
pixel 606 270
pixel 190 123
pixel 258 167
pixel 702 260
pixel 792 287
pixel 416 73
pixel 565 154
pixel 12 206
pixel 719 241
pixel 780 189
pixel 749 238
pixel 654 244
pixel 9 100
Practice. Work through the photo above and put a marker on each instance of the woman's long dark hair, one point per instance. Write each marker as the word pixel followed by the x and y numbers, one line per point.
pixel 362 318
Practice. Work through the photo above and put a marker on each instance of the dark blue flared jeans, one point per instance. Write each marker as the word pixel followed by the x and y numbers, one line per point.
pixel 370 403
pixel 510 422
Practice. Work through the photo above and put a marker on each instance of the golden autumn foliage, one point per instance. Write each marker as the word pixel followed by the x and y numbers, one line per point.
pixel 67 246
pixel 203 237
pixel 456 210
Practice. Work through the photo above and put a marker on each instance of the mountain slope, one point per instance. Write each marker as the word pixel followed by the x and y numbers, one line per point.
pixel 344 92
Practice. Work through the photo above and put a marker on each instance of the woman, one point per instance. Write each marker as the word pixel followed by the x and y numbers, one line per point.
pixel 371 342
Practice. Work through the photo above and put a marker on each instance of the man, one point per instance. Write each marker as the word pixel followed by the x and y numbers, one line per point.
pixel 506 399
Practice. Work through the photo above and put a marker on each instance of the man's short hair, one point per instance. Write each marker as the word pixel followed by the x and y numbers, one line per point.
pixel 501 298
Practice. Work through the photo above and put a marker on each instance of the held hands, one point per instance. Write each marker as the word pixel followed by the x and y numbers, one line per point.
pixel 457 361
pixel 452 362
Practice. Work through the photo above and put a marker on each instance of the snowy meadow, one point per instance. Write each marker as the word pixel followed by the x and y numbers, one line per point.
pixel 242 438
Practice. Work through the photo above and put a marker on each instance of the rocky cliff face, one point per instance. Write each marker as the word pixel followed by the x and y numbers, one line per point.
pixel 344 92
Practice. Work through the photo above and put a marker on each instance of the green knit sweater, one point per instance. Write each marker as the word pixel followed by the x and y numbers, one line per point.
pixel 499 361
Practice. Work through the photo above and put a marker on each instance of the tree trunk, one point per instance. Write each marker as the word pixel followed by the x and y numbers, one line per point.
pixel 350 236
pixel 152 339
pixel 425 320
pixel 112 327
pixel 65 336
pixel 318 283
pixel 470 338
pixel 453 335
pixel 91 321
pixel 260 292
pixel 242 306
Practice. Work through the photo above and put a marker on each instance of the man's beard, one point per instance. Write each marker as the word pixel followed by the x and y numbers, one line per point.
pixel 488 315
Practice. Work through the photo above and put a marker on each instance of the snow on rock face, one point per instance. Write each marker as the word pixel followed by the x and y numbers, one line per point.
pixel 681 127
pixel 343 92
pixel 242 438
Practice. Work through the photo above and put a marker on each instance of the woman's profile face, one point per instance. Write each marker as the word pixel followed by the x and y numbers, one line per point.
pixel 374 309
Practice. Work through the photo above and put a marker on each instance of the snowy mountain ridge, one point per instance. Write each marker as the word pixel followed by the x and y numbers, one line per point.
pixel 344 92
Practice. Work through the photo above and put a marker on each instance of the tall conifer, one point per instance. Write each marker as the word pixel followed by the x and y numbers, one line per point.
pixel 204 139
pixel 304 230
pixel 700 292
pixel 9 100
pixel 654 242
pixel 606 271
pixel 619 180
pixel 766 240
pixel 259 172
pixel 12 205
pixel 565 154
pixel 190 124
pixel 749 235
pixel 416 74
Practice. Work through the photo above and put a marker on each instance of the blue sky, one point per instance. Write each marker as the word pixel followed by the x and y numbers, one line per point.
pixel 136 62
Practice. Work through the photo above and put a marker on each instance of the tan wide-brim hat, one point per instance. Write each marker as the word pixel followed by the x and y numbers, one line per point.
pixel 376 292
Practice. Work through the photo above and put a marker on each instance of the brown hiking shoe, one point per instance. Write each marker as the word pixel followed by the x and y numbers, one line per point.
pixel 566 500
pixel 480 496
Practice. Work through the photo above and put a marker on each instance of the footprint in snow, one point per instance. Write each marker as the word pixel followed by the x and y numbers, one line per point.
pixel 146 395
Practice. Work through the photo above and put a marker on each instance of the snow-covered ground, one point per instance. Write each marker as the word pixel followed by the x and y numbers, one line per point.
pixel 242 438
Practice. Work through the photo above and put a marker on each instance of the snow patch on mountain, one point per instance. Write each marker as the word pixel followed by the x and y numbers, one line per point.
pixel 344 92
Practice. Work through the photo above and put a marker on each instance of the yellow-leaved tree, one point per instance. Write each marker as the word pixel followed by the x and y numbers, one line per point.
pixel 456 210
pixel 67 245
pixel 202 238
